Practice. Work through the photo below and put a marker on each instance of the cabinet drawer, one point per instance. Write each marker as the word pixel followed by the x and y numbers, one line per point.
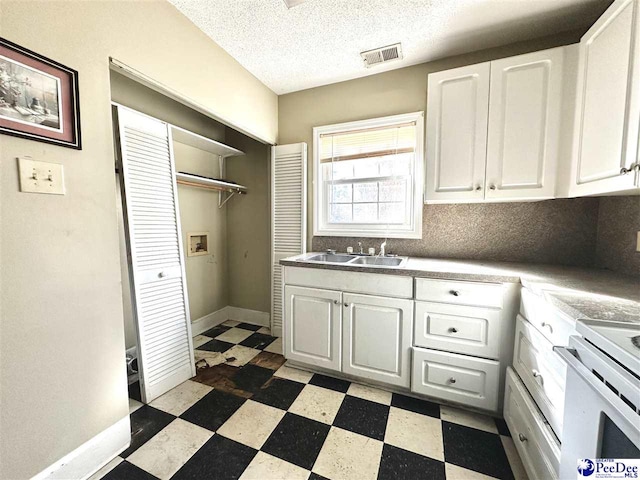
pixel 458 328
pixel 457 378
pixel 459 293
pixel 548 320
pixel 542 371
pixel 538 448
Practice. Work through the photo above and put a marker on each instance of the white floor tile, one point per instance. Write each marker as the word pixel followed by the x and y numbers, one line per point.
pixel 453 472
pixel 179 399
pixel 318 404
pixel 275 346
pixel 370 393
pixel 515 462
pixel 265 330
pixel 231 323
pixel 346 455
pixel 294 374
pixel 212 358
pixel 267 467
pixel 170 449
pixel 234 335
pixel 468 419
pixel 241 355
pixel 252 424
pixel 414 432
pixel 106 469
pixel 133 405
pixel 199 340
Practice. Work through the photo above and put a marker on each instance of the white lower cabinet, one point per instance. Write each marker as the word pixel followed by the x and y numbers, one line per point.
pixel 313 326
pixel 456 378
pixel 376 340
pixel 534 440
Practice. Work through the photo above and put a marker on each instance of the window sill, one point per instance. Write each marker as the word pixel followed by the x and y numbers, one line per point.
pixel 367 234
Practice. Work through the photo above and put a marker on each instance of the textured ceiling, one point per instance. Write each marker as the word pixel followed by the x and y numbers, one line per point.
pixel 318 42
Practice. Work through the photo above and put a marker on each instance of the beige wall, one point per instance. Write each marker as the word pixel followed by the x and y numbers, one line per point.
pixel 62 375
pixel 207 279
pixel 248 226
pixel 398 91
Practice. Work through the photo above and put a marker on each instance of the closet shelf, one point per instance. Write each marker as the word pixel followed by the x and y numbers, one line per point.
pixel 186 137
pixel 210 183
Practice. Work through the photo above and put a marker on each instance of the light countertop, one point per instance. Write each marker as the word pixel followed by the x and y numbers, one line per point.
pixel 578 292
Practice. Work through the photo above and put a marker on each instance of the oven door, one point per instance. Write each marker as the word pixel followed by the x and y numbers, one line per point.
pixel 601 418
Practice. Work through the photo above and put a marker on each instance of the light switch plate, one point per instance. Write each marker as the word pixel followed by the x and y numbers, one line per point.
pixel 41 177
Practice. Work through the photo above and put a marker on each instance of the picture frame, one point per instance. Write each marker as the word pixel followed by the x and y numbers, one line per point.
pixel 39 97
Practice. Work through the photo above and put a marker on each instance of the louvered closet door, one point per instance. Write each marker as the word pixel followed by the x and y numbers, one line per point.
pixel 289 213
pixel 165 352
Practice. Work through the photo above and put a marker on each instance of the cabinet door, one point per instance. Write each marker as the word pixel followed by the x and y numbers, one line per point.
pixel 312 327
pixel 377 338
pixel 457 111
pixel 524 126
pixel 608 102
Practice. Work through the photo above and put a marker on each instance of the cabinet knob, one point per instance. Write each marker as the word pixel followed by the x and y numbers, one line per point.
pixel 336 302
pixel 547 325
pixel 478 188
pixel 453 330
pixel 455 293
pixel 536 374
pixel 452 380
pixel 492 187
pixel 162 274
pixel 346 304
pixel 522 438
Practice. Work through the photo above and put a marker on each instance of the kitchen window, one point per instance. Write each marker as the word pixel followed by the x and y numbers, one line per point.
pixel 368 178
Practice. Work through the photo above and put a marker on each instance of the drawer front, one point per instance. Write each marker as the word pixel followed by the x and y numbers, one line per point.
pixel 356 282
pixel 542 371
pixel 460 293
pixel 456 378
pixel 548 320
pixel 458 329
pixel 538 449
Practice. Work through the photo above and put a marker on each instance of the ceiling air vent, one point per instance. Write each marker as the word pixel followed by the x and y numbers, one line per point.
pixel 381 55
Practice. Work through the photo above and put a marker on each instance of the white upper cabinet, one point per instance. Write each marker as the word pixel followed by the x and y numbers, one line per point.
pixel 608 104
pixel 457 109
pixel 493 128
pixel 524 125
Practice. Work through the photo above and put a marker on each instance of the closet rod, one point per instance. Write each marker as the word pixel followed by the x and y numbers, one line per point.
pixel 211 187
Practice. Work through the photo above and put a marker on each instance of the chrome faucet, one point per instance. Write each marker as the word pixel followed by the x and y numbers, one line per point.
pixel 383 246
pixel 360 247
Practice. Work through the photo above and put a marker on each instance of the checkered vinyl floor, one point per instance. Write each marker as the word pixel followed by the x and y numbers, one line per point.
pixel 247 415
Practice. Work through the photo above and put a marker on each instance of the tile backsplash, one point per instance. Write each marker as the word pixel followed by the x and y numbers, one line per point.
pixel 618 227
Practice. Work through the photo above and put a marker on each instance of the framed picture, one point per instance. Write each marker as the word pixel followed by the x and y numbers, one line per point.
pixel 38 97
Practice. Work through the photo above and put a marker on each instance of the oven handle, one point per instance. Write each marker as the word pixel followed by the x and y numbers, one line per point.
pixel 597 386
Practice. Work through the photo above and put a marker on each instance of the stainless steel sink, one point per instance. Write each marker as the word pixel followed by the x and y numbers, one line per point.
pixel 331 258
pixel 380 261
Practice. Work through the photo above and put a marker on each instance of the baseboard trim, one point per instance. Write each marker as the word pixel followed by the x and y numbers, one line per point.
pixel 92 455
pixel 203 324
pixel 253 317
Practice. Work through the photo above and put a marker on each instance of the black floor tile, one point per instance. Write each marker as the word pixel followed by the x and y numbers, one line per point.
pixel 218 459
pixel 215 346
pixel 279 393
pixel 251 377
pixel 259 341
pixel 249 326
pixel 215 331
pixel 501 425
pixel 134 391
pixel 212 410
pixel 127 471
pixel 297 440
pixel 330 383
pixel 145 423
pixel 399 464
pixel 415 405
pixel 476 450
pixel 315 476
pixel 363 417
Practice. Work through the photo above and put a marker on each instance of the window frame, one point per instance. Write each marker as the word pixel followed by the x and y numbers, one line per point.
pixel 320 196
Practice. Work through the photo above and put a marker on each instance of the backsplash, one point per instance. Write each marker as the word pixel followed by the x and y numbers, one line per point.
pixel 561 231
pixel 618 224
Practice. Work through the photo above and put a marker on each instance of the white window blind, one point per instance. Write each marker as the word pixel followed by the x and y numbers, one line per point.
pixel 370 177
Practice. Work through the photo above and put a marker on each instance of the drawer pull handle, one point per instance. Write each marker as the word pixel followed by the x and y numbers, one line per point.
pixel 455 293
pixel 547 325
pixel 522 438
pixel 536 374
pixel 452 380
pixel 453 330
